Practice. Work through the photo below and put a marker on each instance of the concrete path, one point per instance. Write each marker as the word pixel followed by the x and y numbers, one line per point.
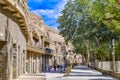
pixel 40 76
pixel 54 75
pixel 79 72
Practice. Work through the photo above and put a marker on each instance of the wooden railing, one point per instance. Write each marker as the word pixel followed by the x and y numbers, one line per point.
pixel 35 48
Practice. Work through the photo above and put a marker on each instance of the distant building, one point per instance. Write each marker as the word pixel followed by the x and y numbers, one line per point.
pixel 71 56
pixel 57 45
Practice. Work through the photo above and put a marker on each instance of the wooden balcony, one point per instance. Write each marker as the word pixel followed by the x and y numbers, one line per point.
pixel 49 51
pixel 36 49
pixel 39 49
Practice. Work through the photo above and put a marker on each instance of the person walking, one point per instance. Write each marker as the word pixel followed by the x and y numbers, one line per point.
pixel 54 68
pixel 58 68
pixel 49 68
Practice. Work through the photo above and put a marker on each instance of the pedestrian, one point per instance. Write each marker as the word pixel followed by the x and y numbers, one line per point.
pixel 49 67
pixel 61 68
pixel 54 68
pixel 58 68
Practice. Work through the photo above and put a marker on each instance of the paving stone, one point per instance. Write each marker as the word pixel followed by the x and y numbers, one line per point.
pixel 32 77
pixel 80 72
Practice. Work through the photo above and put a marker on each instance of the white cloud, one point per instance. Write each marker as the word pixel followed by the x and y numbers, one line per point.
pixel 51 13
pixel 61 4
pixel 46 12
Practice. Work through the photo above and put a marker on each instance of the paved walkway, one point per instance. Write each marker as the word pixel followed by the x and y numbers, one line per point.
pixel 54 75
pixel 79 72
pixel 40 76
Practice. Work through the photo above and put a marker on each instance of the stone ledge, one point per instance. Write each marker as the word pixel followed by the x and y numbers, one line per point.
pixel 113 74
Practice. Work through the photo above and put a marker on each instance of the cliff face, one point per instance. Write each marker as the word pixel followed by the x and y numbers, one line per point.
pixel 14 32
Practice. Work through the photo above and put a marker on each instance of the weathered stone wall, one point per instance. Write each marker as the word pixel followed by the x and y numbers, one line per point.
pixel 34 26
pixel 12 33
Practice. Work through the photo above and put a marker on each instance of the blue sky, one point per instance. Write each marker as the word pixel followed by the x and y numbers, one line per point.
pixel 49 10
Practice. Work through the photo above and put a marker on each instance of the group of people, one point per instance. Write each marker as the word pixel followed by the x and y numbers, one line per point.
pixel 57 68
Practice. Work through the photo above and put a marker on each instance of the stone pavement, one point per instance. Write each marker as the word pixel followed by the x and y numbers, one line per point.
pixel 54 75
pixel 79 72
pixel 32 77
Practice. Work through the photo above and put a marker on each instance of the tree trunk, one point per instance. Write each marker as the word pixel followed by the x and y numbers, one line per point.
pixel 88 51
pixel 113 55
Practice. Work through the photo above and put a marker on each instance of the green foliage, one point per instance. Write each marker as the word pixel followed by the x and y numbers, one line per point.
pixel 107 11
pixel 112 1
pixel 85 23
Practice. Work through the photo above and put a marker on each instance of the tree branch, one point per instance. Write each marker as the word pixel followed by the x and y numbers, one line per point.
pixel 118 1
pixel 112 18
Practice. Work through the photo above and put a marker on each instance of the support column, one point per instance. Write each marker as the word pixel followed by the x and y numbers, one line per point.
pixel 40 65
pixel 43 42
pixel 26 62
pixel 37 66
pixel 43 63
pixel 17 61
pixel 23 62
pixel 11 61
pixel 30 61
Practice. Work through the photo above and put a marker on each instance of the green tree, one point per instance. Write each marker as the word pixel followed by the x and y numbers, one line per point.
pixel 107 11
pixel 85 29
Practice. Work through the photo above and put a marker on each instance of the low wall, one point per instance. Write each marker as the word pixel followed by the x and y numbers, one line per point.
pixel 106 68
pixel 106 65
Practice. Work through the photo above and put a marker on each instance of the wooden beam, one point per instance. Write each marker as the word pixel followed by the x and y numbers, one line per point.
pixel 2 2
pixel 23 27
pixel 24 30
pixel 5 6
pixel 22 24
pixel 16 14
pixel 20 20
